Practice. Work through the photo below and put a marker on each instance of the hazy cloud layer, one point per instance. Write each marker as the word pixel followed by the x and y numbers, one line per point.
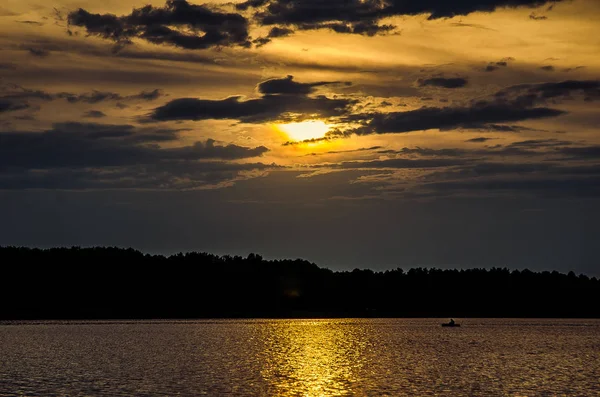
pixel 113 156
pixel 14 97
pixel 512 104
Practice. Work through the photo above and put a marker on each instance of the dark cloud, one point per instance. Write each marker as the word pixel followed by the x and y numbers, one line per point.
pixel 547 68
pixel 281 99
pixel 159 176
pixel 470 25
pixel 280 32
pixel 574 68
pixel 365 28
pixel 36 23
pixel 492 66
pixel 478 140
pixel 363 16
pixel 14 97
pixel 499 128
pixel 8 105
pixel 528 95
pixel 400 163
pixel 114 156
pixel 312 140
pixel 362 149
pixel 288 86
pixel 101 96
pixel 537 17
pixel 94 114
pixel 178 23
pixel 275 32
pixel 512 104
pixel 266 108
pixel 427 118
pixel 38 52
pixel 540 143
pixel 488 152
pixel 428 152
pixel 452 82
pixel 583 153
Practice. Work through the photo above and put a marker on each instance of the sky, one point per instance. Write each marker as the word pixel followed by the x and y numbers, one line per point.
pixel 352 133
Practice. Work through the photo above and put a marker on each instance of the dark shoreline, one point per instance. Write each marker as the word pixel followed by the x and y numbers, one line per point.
pixel 111 283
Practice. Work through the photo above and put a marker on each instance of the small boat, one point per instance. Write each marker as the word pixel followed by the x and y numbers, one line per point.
pixel 451 323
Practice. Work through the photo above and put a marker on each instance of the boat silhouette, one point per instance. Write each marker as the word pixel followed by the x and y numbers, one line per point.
pixel 451 323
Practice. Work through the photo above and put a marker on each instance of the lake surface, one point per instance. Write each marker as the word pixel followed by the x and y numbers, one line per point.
pixel 362 357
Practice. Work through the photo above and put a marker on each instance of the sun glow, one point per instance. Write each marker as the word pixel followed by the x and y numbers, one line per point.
pixel 305 130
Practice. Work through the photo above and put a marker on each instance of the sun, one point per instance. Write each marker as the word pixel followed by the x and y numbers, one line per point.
pixel 305 130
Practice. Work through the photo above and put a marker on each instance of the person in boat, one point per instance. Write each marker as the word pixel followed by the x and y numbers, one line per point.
pixel 451 321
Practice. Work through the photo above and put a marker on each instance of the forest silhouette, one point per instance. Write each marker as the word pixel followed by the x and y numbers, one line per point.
pixel 114 283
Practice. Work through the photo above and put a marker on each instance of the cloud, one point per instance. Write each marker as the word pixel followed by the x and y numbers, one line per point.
pixel 534 94
pixel 281 99
pixel 495 151
pixel 400 163
pixel 178 23
pixel 38 52
pixel 115 156
pixel 363 16
pixel 498 128
pixel 537 17
pixel 312 140
pixel 478 140
pixel 101 96
pixel 96 114
pixel 275 32
pixel 447 118
pixel 540 143
pixel 287 85
pixel 27 22
pixel 7 105
pixel 14 97
pixel 362 149
pixel 511 104
pixel 159 176
pixel 453 82
pixel 581 153
pixel 92 144
pixel 493 66
pixel 266 108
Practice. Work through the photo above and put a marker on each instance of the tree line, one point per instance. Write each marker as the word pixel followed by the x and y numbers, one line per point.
pixel 114 283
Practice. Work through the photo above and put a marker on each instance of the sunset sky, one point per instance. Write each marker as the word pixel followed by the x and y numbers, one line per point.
pixel 352 133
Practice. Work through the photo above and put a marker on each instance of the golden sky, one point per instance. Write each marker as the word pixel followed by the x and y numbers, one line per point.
pixel 346 102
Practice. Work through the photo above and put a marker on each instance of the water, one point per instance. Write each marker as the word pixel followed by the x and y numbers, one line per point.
pixel 365 357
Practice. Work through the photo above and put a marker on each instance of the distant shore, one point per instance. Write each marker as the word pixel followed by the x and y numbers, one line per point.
pixel 125 284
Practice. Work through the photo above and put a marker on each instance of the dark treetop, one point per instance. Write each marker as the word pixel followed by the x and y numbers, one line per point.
pixel 112 283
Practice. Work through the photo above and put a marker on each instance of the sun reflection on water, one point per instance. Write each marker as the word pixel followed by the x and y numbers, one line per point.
pixel 312 358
